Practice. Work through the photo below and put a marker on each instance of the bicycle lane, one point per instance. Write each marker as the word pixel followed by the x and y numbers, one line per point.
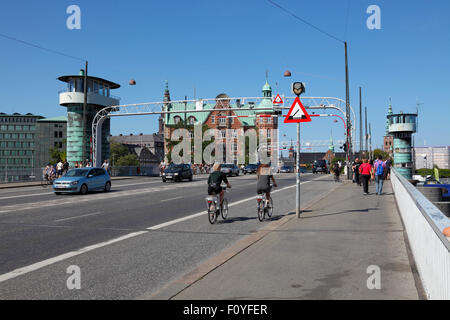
pixel 137 264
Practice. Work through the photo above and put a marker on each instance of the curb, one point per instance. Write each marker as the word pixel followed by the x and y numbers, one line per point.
pixel 175 287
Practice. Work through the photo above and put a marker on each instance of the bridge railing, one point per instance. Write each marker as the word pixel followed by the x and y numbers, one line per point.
pixel 424 224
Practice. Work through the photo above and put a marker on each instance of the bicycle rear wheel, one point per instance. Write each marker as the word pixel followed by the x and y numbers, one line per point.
pixel 224 209
pixel 212 215
pixel 270 209
pixel 260 211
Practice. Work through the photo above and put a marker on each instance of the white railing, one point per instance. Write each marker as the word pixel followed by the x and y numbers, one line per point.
pixel 424 224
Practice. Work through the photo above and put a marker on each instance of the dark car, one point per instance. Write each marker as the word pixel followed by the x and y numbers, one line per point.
pixel 286 169
pixel 250 168
pixel 320 166
pixel 229 169
pixel 177 172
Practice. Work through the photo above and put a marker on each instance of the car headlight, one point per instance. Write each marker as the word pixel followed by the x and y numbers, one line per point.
pixel 176 173
pixel 74 182
pixel 164 173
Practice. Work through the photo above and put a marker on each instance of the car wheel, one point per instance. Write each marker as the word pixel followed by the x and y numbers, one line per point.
pixel 164 180
pixel 83 189
pixel 107 186
pixel 58 193
pixel 190 179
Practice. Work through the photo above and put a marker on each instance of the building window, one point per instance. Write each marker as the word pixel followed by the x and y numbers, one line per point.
pixel 223 133
pixel 176 119
pixel 60 134
pixel 212 119
pixel 269 120
pixel 268 133
pixel 191 120
pixel 222 119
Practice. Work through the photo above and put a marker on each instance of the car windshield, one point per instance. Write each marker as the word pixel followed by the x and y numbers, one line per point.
pixel 285 167
pixel 175 166
pixel 77 173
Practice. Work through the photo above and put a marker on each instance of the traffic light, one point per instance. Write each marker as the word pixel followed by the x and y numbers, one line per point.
pixel 278 112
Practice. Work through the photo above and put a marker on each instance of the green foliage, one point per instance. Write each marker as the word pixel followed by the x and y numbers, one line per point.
pixel 57 155
pixel 118 150
pixel 379 152
pixel 443 173
pixel 127 160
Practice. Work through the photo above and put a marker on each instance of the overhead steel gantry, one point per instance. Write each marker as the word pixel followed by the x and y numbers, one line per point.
pixel 241 103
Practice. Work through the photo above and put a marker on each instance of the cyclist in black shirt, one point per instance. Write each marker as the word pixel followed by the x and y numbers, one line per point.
pixel 214 181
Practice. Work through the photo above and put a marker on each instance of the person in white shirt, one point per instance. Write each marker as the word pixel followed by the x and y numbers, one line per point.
pixel 59 169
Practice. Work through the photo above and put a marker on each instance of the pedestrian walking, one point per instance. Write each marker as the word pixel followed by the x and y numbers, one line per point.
pixel 378 169
pixel 387 174
pixel 365 171
pixel 337 171
pixel 59 169
pixel 355 166
pixel 105 166
pixel 65 166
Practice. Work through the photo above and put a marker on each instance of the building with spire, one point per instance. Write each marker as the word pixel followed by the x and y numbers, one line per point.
pixel 388 140
pixel 232 120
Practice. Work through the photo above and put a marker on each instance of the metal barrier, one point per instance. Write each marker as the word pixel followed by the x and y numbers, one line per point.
pixel 424 224
pixel 151 171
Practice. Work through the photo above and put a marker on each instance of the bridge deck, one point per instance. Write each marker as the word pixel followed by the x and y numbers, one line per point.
pixel 324 255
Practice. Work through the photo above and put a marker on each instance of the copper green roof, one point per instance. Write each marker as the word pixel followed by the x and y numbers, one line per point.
pixel 203 116
pixel 54 119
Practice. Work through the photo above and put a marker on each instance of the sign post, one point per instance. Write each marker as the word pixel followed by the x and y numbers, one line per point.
pixel 297 113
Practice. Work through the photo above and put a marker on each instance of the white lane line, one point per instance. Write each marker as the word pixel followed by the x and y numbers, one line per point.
pixel 44 193
pixel 77 217
pixel 39 265
pixel 170 199
pixel 45 263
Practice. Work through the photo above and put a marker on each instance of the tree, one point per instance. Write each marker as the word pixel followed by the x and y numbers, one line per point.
pixel 379 152
pixel 56 155
pixel 127 160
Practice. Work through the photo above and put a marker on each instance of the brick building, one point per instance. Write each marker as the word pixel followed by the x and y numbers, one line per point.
pixel 231 120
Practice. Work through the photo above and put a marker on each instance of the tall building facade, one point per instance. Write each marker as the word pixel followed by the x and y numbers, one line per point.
pixel 51 133
pixel 429 157
pixel 25 143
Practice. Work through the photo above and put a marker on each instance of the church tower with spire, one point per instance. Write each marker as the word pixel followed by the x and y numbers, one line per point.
pixel 388 140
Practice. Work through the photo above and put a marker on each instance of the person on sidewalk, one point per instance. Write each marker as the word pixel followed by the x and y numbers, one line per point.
pixel 387 174
pixel 365 171
pixel 336 171
pixel 355 168
pixel 379 171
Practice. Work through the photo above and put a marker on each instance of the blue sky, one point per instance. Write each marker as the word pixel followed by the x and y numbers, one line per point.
pixel 226 46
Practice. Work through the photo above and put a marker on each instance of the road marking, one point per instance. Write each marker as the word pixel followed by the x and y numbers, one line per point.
pixel 76 217
pixel 36 266
pixel 39 265
pixel 170 199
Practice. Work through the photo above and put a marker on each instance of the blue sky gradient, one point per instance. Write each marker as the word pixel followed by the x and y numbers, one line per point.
pixel 226 46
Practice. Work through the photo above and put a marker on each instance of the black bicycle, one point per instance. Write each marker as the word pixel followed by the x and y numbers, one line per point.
pixel 47 181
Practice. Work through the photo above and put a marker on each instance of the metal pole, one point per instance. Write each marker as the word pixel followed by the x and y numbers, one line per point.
pixel 367 143
pixel 297 189
pixel 83 145
pixel 360 123
pixel 370 143
pixel 347 113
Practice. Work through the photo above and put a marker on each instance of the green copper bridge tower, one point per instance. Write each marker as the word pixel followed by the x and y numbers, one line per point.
pixel 98 97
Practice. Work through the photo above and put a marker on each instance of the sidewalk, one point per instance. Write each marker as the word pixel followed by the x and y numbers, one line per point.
pixel 323 255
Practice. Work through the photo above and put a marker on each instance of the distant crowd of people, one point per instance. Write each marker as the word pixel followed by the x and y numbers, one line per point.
pixel 52 172
pixel 368 170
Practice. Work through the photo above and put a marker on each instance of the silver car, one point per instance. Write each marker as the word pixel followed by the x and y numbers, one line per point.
pixel 229 169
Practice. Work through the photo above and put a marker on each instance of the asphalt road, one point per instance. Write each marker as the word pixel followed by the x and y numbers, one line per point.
pixel 128 242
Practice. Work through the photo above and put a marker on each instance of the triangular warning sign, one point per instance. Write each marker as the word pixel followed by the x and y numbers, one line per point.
pixel 297 113
pixel 278 100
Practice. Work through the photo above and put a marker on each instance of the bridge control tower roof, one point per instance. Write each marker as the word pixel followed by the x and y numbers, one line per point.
pixel 110 84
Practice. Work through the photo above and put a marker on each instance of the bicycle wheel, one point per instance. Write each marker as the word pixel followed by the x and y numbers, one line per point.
pixel 224 209
pixel 261 211
pixel 212 215
pixel 270 209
